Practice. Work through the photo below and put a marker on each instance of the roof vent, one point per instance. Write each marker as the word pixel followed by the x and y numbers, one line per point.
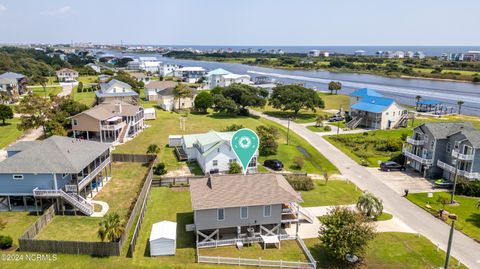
pixel 209 182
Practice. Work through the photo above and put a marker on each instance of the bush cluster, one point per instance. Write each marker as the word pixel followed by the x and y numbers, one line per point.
pixel 300 183
pixel 468 188
pixel 5 241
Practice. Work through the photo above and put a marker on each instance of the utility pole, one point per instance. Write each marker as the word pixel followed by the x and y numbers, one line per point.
pixel 455 176
pixel 338 122
pixel 453 217
pixel 288 129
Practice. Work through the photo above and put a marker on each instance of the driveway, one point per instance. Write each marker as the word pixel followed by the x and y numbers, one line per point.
pixel 464 248
pixel 399 181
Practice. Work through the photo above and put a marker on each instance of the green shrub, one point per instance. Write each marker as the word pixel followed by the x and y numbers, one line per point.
pixel 300 183
pixel 327 128
pixel 298 162
pixel 5 241
pixel 159 169
pixel 468 188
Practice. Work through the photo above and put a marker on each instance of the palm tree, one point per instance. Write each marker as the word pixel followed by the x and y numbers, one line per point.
pixel 418 97
pixel 334 86
pixel 182 91
pixel 460 103
pixel 153 149
pixel 111 227
pixel 370 205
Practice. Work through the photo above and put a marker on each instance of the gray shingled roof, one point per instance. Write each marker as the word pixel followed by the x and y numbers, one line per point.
pixel 12 75
pixel 440 130
pixel 223 191
pixel 473 136
pixel 56 154
pixel 106 110
pixel 157 84
pixel 23 145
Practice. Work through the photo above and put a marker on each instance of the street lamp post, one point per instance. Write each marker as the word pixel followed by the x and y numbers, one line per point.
pixel 453 217
pixel 288 129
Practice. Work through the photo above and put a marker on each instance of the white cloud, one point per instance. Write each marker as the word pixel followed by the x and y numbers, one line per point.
pixel 2 8
pixel 58 11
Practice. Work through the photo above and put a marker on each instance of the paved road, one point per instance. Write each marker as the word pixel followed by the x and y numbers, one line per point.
pixel 464 248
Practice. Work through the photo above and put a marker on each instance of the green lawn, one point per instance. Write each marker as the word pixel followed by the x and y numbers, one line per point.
pixel 289 251
pixel 468 215
pixel 49 90
pixel 87 98
pixel 372 147
pixel 389 250
pixel 119 193
pixel 87 79
pixel 335 192
pixel 9 132
pixel 167 123
pixel 318 129
pixel 17 223
pixel 335 101
pixel 303 116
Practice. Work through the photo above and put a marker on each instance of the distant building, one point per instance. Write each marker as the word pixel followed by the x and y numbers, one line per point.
pixel 149 64
pixel 167 101
pixel 359 53
pixel 419 55
pixel 409 54
pixel 167 70
pixel 455 57
pixel 116 90
pixel 399 54
pixel 67 75
pixel 13 84
pixel 472 56
pixel 190 74
pixel 155 86
pixel 95 67
pixel 141 77
pixel 133 65
pixel 314 53
pixel 223 78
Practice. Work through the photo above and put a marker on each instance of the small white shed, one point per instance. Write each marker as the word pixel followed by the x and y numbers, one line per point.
pixel 174 140
pixel 149 113
pixel 163 238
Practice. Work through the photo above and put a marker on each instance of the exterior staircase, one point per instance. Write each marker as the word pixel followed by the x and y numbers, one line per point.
pixel 124 133
pixel 72 198
pixel 401 121
pixel 352 124
pixel 307 215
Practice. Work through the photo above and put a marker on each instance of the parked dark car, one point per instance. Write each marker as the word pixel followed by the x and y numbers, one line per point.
pixel 389 166
pixel 273 164
pixel 335 118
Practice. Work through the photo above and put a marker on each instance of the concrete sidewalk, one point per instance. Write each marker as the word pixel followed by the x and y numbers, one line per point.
pixel 464 248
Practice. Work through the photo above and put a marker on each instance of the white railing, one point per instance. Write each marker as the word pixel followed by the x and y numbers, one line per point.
pixel 306 251
pixel 461 156
pixel 124 133
pixel 79 202
pixel 463 173
pixel 254 262
pixel 113 126
pixel 419 159
pixel 310 217
pixel 234 241
pixel 82 183
pixel 415 142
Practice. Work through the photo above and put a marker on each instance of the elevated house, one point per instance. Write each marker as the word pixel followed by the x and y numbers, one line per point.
pixel 167 70
pixel 167 101
pixel 444 150
pixel 109 122
pixel 210 150
pixel 67 75
pixel 242 207
pixel 116 90
pixel 141 77
pixel 190 74
pixel 13 84
pixel 371 109
pixel 223 78
pixel 59 170
pixel 155 86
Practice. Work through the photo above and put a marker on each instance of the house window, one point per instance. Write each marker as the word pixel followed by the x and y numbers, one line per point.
pixel 220 214
pixel 75 122
pixel 267 210
pixel 449 147
pixel 17 176
pixel 232 161
pixel 214 162
pixel 244 212
pixel 64 175
pixel 394 113
pixel 432 144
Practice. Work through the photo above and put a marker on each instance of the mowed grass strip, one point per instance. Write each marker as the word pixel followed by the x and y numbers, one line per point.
pixel 9 132
pixel 468 220
pixel 335 192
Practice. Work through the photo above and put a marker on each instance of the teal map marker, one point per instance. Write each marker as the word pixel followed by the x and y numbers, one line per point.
pixel 244 143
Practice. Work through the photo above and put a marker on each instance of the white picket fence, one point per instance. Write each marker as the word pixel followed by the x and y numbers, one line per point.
pixel 255 262
pixel 234 241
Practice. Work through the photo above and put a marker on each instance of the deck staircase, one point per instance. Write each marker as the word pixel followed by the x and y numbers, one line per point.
pixel 72 198
pixel 402 121
pixel 306 214
pixel 124 133
pixel 353 123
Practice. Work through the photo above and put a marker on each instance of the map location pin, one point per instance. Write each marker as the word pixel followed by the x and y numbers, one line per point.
pixel 244 143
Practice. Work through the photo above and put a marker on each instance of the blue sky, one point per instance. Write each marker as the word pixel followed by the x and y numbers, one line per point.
pixel 245 22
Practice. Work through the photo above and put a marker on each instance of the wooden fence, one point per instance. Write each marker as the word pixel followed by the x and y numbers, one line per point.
pixel 29 243
pixel 172 181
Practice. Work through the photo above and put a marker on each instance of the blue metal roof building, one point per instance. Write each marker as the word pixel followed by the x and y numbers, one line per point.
pixel 365 92
pixel 373 104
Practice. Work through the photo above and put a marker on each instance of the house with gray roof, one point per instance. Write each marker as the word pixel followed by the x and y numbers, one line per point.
pixel 13 84
pixel 444 150
pixel 210 150
pixel 109 122
pixel 155 86
pixel 58 169
pixel 242 206
pixel 116 90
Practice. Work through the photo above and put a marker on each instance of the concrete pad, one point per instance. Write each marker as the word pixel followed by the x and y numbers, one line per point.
pixel 104 210
pixel 401 180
